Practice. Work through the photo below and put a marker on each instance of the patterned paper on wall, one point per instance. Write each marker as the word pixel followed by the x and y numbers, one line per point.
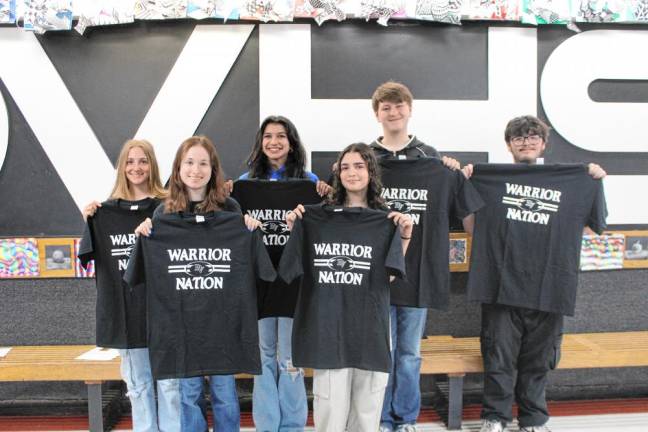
pixel 446 11
pixel 381 10
pixel 604 252
pixel 546 12
pixel 18 258
pixel 160 9
pixel 201 9
pixel 7 11
pixel 103 12
pixel 496 10
pixel 319 10
pixel 637 11
pixel 79 270
pixel 599 11
pixel 268 10
pixel 46 15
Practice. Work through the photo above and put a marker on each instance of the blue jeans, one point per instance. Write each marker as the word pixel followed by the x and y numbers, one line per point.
pixel 147 417
pixel 402 402
pixel 224 401
pixel 279 397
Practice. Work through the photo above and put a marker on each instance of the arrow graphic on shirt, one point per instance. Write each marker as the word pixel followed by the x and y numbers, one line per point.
pixel 530 204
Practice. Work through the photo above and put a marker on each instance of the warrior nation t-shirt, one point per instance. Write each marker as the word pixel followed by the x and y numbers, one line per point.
pixel 200 273
pixel 109 238
pixel 430 193
pixel 346 256
pixel 527 239
pixel 268 202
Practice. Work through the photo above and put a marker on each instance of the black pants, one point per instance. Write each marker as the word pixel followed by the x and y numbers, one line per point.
pixel 522 343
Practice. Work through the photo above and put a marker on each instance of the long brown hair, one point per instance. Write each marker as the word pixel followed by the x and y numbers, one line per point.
pixel 338 194
pixel 178 199
pixel 122 190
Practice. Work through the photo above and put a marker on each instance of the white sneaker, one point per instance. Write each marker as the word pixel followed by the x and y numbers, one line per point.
pixel 492 426
pixel 406 428
pixel 542 428
pixel 385 429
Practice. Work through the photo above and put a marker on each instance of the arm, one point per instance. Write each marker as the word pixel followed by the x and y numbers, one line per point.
pixel 469 223
pixel 405 226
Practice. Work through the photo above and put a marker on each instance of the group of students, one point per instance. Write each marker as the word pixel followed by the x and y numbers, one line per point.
pixel 360 277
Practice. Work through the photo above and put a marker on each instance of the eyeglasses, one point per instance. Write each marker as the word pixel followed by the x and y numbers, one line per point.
pixel 532 139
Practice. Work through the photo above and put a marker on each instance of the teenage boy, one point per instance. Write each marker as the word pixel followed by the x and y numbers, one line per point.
pixel 392 105
pixel 522 323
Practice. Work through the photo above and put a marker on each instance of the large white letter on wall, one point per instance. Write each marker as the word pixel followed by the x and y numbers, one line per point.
pixel 330 124
pixel 190 88
pixel 601 126
pixel 53 115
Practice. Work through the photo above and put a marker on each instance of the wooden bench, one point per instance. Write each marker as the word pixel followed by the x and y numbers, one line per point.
pixel 59 363
pixel 446 355
pixel 456 357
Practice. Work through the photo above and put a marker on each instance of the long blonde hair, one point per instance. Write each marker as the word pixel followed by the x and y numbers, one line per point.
pixel 121 190
pixel 178 199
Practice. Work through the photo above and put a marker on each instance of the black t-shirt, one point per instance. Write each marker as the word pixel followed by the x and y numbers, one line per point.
pixel 268 202
pixel 429 193
pixel 108 238
pixel 527 239
pixel 342 316
pixel 200 273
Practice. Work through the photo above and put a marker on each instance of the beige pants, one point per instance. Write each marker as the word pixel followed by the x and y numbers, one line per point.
pixel 348 399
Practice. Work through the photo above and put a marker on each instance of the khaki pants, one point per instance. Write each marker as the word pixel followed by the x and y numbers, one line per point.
pixel 348 399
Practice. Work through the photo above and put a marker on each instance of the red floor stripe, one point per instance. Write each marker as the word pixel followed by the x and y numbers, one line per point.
pixel 470 412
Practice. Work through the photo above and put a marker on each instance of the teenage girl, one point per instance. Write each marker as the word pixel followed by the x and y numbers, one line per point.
pixel 354 402
pixel 197 186
pixel 279 397
pixel 138 181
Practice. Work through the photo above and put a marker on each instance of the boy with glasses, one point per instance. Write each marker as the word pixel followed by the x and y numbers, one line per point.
pixel 520 344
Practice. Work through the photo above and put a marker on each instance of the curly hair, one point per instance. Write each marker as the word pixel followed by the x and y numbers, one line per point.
pixel 338 194
pixel 258 162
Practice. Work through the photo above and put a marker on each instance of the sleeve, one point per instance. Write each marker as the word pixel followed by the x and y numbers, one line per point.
pixel 312 177
pixel 86 247
pixel 159 211
pixel 263 265
pixel 244 176
pixel 231 205
pixel 598 214
pixel 395 260
pixel 291 265
pixel 135 273
pixel 466 198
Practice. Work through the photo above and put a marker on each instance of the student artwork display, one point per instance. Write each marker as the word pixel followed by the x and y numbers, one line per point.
pixel 636 249
pixel 381 10
pixel 604 252
pixel 599 11
pixel 201 9
pixel 103 12
pixel 447 11
pixel 160 9
pixel 56 257
pixel 7 11
pixel 545 11
pixel 319 10
pixel 638 11
pixel 496 10
pixel 460 245
pixel 268 10
pixel 78 268
pixel 18 258
pixel 40 16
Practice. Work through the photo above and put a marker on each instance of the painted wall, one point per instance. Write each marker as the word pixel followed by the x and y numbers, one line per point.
pixel 72 100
